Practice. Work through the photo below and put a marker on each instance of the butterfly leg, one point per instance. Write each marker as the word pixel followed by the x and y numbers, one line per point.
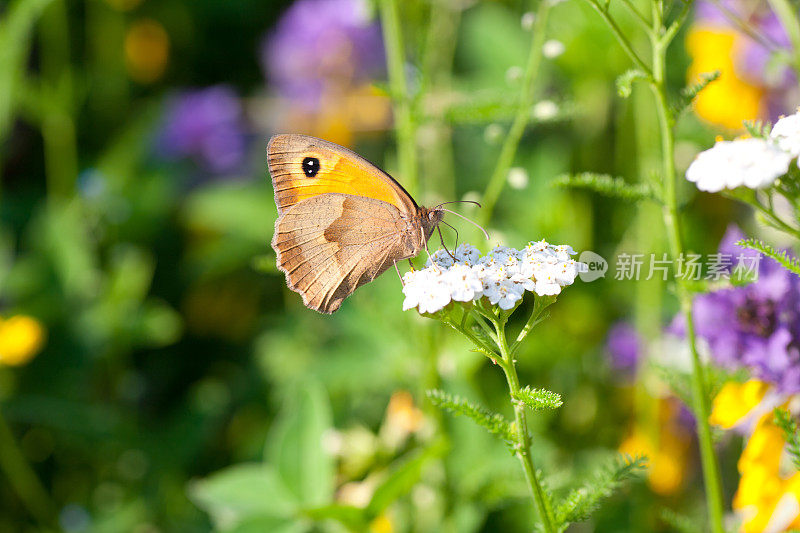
pixel 441 239
pixel 433 263
pixel 398 272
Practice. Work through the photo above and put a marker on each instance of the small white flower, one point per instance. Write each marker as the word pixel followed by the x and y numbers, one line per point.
pixel 538 246
pixel 441 258
pixel 547 282
pixel 467 254
pixel 464 283
pixel 528 19
pixel 552 49
pixel 786 132
pixel 426 290
pixel 508 298
pixel 751 163
pixel 514 74
pixel 545 110
pixel 517 178
pixel 434 300
pixel 492 135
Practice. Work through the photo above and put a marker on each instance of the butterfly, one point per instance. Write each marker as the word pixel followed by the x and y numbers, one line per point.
pixel 342 221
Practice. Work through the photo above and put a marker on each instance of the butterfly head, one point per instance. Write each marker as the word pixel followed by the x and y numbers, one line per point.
pixel 430 217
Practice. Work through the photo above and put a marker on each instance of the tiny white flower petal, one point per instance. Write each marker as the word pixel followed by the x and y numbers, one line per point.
pixel 467 254
pixel 786 133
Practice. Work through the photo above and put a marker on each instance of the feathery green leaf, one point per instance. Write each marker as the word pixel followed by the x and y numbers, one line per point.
pixel 757 128
pixel 605 185
pixel 626 79
pixel 792 264
pixel 690 92
pixel 493 422
pixel 582 502
pixel 791 432
pixel 538 399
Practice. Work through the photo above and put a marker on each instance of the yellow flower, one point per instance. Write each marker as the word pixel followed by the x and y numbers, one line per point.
pixel 402 419
pixel 729 100
pixel 735 401
pixel 667 458
pixel 21 337
pixel 146 50
pixel 764 499
pixel 381 524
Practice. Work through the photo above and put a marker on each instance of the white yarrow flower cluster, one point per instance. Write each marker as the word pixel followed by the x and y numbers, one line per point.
pixel 751 162
pixel 502 276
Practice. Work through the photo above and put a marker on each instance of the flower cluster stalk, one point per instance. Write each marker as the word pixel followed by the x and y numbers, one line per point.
pixel 503 356
pixel 661 35
pixel 699 385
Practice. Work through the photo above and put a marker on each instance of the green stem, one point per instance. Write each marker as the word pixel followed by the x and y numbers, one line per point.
pixel 787 14
pixel 521 118
pixel 523 444
pixel 404 125
pixel 537 315
pixel 774 218
pixel 617 32
pixel 637 15
pixel 672 222
pixel 22 478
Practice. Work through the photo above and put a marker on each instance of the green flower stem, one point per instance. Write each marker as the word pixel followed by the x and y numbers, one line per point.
pixel 773 218
pixel 637 15
pixel 621 38
pixel 523 444
pixel 521 117
pixel 537 315
pixel 660 38
pixel 711 476
pixel 404 123
pixel 23 479
pixel 787 14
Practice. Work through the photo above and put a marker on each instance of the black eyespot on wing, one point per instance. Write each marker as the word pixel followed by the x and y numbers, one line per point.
pixel 311 166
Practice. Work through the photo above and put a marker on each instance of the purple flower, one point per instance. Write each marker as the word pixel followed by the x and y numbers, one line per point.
pixel 756 326
pixel 321 45
pixel 624 346
pixel 207 126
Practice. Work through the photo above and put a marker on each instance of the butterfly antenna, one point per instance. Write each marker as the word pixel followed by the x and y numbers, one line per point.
pixel 473 202
pixel 485 234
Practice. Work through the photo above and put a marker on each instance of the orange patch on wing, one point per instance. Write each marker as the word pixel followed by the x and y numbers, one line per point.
pixel 340 171
pixel 345 178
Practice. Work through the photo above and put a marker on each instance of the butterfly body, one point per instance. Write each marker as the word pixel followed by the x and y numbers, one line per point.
pixel 341 220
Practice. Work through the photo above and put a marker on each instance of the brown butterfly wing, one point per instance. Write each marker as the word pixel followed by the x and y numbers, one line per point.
pixel 340 171
pixel 331 244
